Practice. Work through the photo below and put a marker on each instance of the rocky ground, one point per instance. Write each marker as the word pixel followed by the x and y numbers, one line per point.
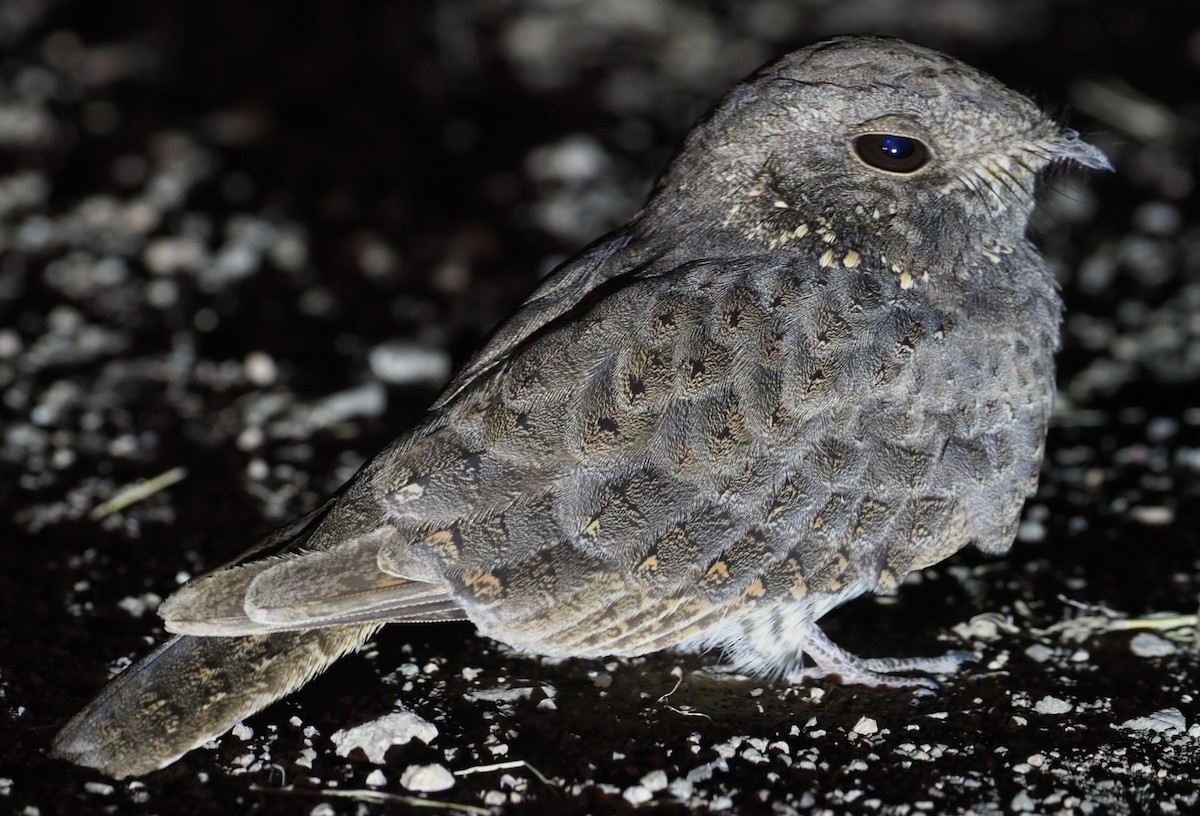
pixel 241 245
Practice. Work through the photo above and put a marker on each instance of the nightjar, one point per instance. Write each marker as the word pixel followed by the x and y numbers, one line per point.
pixel 819 358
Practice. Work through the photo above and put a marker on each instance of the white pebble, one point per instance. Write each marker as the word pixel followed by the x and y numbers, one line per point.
pixel 165 256
pixel 1147 644
pixel 637 795
pixel 1152 515
pixel 375 737
pixel 1168 719
pixel 251 438
pixel 1039 653
pixel 1157 218
pixel 427 778
pixel 574 159
pixel 1052 705
pixel 1021 803
pixel 260 368
pixel 681 788
pixel 655 781
pixel 1031 531
pixel 866 727
pixel 401 363
pixel 366 400
pixel 501 694
pixel 134 606
pixel 10 344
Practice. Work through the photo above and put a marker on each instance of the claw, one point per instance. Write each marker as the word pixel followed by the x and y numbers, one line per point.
pixel 831 659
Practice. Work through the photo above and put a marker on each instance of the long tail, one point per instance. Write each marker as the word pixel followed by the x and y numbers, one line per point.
pixel 192 689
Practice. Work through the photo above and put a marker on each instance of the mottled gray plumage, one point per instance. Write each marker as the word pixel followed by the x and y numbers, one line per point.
pixel 792 379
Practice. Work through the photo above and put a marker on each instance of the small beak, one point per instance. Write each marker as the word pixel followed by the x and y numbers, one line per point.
pixel 1069 147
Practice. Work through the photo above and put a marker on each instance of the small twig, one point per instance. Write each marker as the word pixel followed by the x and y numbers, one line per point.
pixel 683 713
pixel 132 494
pixel 1164 623
pixel 675 688
pixel 1097 609
pixel 680 711
pixel 1100 620
pixel 511 765
pixel 374 797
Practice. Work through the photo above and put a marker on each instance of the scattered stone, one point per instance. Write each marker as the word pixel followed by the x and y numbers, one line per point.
pixel 1157 218
pixel 367 400
pixel 1052 705
pixel 377 736
pixel 1148 644
pixel 655 781
pixel 1152 515
pixel 681 788
pixel 866 727
pixel 427 778
pixel 1165 721
pixel 987 627
pixel 137 607
pixel 637 794
pixel 1039 653
pixel 1031 531
pixel 1022 803
pixel 260 368
pixel 503 694
pixel 401 363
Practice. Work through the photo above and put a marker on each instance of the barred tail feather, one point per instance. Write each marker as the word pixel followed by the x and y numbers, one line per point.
pixel 192 689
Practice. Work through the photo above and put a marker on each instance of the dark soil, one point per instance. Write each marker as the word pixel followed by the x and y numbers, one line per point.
pixel 250 241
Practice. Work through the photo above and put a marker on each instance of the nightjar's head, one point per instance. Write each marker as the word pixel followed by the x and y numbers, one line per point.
pixel 897 149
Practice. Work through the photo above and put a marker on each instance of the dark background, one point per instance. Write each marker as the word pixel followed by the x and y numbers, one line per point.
pixel 213 216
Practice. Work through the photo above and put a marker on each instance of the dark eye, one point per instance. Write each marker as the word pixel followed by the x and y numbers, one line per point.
pixel 887 151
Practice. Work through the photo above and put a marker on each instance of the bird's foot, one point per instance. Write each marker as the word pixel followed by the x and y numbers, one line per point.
pixel 881 672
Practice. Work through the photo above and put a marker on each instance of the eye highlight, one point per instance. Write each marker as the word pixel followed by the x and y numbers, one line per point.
pixel 891 152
